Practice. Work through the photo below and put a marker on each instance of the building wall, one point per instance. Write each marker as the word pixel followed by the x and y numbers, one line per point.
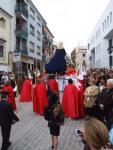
pixel 79 56
pixel 99 39
pixel 34 22
pixel 9 7
pixel 5 34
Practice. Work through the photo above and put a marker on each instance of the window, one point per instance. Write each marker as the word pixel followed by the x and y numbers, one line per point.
pixel 99 32
pixel 32 30
pixel 96 34
pixel 105 23
pixel 96 49
pixel 38 50
pixel 2 22
pixel 110 43
pixel 108 20
pixel 99 47
pixel 88 46
pixel 38 21
pixel 2 48
pixel 103 26
pixel 31 47
pixel 110 17
pixel 84 55
pixel 32 14
pixel 38 35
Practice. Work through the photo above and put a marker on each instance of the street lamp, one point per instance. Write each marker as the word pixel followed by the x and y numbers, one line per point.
pixel 110 50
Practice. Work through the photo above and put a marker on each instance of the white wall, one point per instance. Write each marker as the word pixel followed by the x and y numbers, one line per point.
pixel 9 6
pixel 102 54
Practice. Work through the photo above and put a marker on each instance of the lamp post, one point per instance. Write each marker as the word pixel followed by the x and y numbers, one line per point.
pixel 110 50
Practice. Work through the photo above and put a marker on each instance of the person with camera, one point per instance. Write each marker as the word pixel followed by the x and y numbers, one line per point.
pixel 55 117
pixel 95 135
pixel 7 118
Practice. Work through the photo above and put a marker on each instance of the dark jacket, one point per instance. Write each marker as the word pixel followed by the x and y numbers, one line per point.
pixel 48 113
pixel 106 99
pixel 7 115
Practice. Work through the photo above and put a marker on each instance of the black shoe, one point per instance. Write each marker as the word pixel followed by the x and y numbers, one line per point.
pixel 52 147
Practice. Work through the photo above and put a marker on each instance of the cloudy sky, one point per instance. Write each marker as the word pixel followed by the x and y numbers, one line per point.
pixel 71 21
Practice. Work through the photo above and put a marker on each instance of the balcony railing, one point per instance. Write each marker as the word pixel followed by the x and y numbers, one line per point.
pixel 23 51
pixel 21 31
pixel 21 9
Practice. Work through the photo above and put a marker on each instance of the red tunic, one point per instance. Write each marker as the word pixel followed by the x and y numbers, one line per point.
pixel 39 98
pixel 81 102
pixel 53 85
pixel 26 91
pixel 70 102
pixel 11 99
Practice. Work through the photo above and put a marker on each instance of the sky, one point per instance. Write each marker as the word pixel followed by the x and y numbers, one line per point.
pixel 71 21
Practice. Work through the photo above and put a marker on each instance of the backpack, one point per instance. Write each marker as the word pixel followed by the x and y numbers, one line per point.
pixel 57 111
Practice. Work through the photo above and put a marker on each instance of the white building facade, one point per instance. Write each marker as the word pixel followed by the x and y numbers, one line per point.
pixel 100 42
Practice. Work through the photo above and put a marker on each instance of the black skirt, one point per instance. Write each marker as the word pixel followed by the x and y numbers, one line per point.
pixel 55 130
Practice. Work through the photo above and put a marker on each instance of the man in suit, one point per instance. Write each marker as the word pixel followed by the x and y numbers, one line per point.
pixel 104 103
pixel 7 118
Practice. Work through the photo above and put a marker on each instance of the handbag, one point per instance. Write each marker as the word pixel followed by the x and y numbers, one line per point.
pixel 90 98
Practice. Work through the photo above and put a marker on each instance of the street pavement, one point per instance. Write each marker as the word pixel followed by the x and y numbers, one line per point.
pixel 32 133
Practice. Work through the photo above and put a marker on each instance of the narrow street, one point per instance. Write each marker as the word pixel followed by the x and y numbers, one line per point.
pixel 32 133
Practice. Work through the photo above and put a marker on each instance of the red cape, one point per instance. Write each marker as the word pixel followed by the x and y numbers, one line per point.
pixel 81 102
pixel 35 104
pixel 82 82
pixel 11 99
pixel 53 85
pixel 39 98
pixel 70 102
pixel 26 91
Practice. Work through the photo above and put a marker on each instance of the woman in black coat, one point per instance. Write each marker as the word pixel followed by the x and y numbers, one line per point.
pixel 55 118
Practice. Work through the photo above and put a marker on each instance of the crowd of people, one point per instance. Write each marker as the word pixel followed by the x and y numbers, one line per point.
pixel 74 95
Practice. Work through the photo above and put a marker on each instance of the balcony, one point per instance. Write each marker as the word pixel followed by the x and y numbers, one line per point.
pixel 21 32
pixel 21 9
pixel 23 51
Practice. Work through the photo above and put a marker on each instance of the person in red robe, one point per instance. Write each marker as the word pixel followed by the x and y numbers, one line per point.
pixel 70 99
pixel 53 84
pixel 39 97
pixel 11 99
pixel 26 91
pixel 81 102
